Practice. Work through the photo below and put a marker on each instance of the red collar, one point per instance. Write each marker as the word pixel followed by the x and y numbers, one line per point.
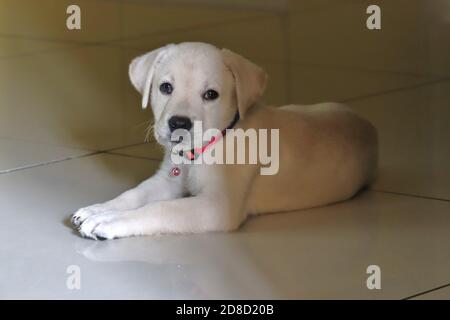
pixel 196 152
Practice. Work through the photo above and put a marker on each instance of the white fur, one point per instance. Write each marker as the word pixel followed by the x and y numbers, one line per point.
pixel 327 152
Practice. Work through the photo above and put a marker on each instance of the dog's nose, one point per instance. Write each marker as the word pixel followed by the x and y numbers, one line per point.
pixel 179 122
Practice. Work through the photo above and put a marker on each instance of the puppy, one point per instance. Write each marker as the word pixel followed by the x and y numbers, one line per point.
pixel 326 152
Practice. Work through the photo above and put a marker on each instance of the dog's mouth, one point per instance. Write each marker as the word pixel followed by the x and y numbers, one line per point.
pixel 181 142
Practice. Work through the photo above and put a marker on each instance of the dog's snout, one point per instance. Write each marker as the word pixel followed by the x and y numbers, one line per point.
pixel 179 122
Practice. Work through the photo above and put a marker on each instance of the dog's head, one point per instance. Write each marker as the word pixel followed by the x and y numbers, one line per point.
pixel 190 82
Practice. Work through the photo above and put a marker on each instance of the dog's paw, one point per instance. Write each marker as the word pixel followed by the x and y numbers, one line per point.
pixel 103 226
pixel 82 214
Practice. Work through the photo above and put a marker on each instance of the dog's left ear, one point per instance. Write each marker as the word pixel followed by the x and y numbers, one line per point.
pixel 141 71
pixel 250 80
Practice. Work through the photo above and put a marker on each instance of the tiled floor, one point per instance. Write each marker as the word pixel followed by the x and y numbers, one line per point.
pixel 72 133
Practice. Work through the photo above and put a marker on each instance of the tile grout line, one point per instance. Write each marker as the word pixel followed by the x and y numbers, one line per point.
pixel 395 90
pixel 112 43
pixel 410 195
pixel 259 15
pixel 125 146
pixel 180 4
pixel 428 291
pixel 357 68
pixel 384 72
pixel 106 151
pixel 190 28
pixel 81 45
pixel 112 152
pixel 40 164
pixel 132 156
pixel 439 79
pixel 48 144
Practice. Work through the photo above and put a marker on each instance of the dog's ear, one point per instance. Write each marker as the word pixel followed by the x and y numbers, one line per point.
pixel 141 71
pixel 250 80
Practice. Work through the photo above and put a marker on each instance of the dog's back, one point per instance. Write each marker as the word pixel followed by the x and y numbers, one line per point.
pixel 327 154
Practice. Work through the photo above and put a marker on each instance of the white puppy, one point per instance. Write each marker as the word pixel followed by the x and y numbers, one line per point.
pixel 326 152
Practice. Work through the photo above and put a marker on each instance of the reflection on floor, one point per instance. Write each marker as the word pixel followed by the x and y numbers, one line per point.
pixel 71 134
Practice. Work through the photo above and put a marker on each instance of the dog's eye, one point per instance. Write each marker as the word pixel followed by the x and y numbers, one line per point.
pixel 166 88
pixel 210 95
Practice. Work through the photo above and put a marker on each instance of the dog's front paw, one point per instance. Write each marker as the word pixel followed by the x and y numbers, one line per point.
pixel 82 214
pixel 103 226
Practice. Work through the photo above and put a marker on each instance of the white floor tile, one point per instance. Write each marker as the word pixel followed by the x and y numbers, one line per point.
pixel 150 150
pixel 412 39
pixel 16 154
pixel 317 253
pixel 144 18
pixel 70 97
pixel 242 36
pixel 406 237
pixel 37 244
pixel 413 128
pixel 11 47
pixel 312 84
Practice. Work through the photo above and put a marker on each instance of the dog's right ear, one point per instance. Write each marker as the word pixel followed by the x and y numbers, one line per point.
pixel 142 69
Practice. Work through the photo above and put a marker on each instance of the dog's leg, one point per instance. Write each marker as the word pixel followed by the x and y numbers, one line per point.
pixel 201 213
pixel 158 187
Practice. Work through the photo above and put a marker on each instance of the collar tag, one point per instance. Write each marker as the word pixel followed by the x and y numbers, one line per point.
pixel 175 172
